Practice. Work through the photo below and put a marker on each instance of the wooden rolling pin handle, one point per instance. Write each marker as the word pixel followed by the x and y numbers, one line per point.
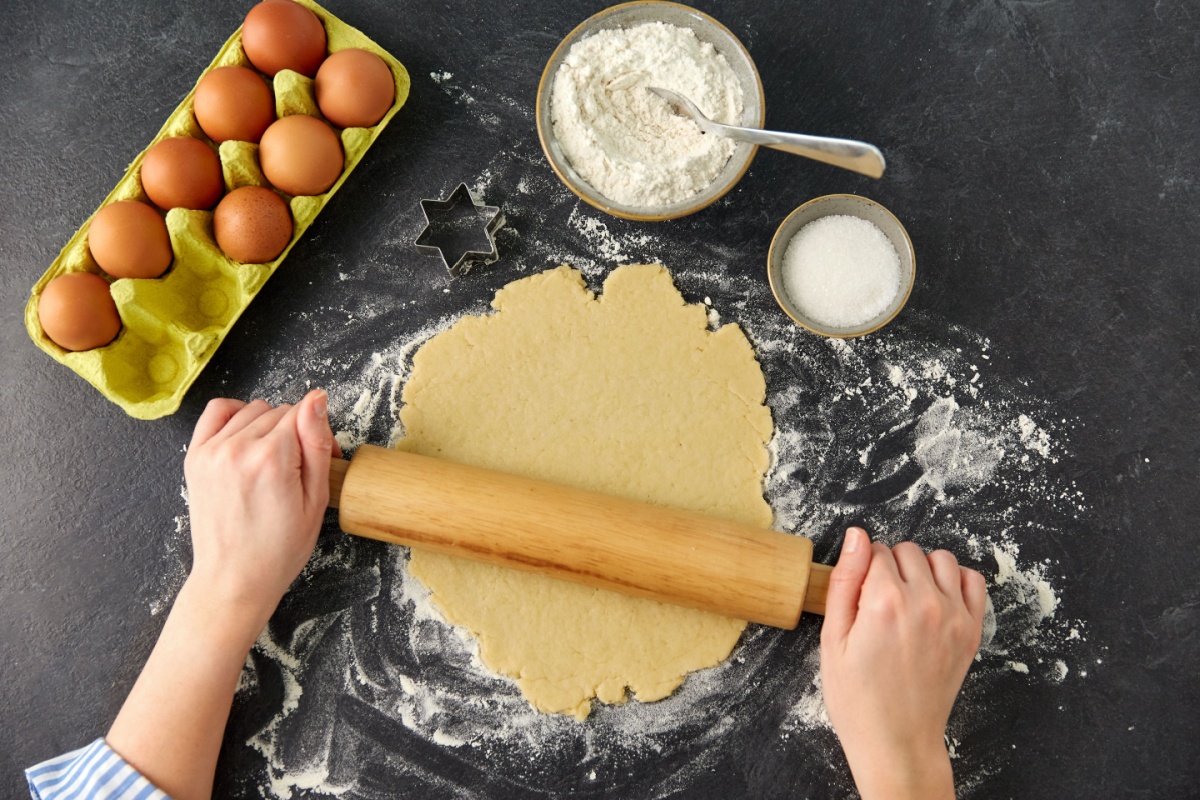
pixel 338 467
pixel 818 587
pixel 634 548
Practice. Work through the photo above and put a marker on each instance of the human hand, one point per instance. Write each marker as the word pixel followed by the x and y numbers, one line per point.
pixel 258 484
pixel 901 629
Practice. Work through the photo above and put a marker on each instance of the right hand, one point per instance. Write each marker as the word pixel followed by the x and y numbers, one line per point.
pixel 901 629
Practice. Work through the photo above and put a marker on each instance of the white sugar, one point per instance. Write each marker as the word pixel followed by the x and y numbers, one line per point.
pixel 841 271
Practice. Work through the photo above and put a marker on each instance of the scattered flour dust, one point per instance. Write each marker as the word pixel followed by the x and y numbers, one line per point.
pixel 910 433
pixel 900 434
pixel 906 435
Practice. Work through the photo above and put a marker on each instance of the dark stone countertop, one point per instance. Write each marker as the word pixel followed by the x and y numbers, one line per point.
pixel 1043 158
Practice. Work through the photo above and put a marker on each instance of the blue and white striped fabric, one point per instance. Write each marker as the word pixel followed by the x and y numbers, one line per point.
pixel 94 772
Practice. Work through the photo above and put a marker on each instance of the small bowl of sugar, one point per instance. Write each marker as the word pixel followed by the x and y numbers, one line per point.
pixel 618 145
pixel 841 266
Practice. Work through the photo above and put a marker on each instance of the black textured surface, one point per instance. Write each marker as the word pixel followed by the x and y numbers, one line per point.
pixel 1042 155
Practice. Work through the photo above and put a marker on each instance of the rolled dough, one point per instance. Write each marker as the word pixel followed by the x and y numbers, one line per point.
pixel 628 393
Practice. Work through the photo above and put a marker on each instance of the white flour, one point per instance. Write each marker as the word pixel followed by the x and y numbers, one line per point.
pixel 623 139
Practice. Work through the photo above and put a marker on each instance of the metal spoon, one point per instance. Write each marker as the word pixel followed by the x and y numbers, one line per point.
pixel 845 153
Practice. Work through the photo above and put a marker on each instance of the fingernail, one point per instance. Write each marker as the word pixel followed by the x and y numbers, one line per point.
pixel 320 407
pixel 854 540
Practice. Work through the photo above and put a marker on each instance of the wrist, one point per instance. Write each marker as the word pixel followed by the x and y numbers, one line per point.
pixel 910 770
pixel 225 618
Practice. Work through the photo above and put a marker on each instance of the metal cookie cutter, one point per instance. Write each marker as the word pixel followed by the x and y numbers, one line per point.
pixel 452 226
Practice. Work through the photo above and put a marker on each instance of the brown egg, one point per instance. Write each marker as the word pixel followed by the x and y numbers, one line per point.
pixel 280 34
pixel 301 154
pixel 252 225
pixel 182 172
pixel 77 312
pixel 355 88
pixel 234 103
pixel 129 239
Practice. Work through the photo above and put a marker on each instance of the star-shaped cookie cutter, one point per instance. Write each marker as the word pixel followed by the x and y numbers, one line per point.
pixel 442 228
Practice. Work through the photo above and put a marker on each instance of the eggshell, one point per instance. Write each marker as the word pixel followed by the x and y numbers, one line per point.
pixel 280 34
pixel 355 88
pixel 252 225
pixel 301 155
pixel 234 103
pixel 182 172
pixel 129 239
pixel 77 312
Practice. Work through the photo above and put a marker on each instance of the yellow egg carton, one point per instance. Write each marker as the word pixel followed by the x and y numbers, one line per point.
pixel 172 325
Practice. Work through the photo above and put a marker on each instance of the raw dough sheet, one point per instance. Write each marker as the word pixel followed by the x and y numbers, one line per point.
pixel 628 393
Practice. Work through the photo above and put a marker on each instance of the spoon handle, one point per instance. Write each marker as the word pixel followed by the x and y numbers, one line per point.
pixel 845 153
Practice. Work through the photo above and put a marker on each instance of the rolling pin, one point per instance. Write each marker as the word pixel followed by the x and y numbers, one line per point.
pixel 638 549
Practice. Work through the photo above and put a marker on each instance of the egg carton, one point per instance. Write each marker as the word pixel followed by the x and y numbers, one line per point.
pixel 172 325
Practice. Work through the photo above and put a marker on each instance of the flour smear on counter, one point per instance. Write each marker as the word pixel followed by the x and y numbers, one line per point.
pixel 908 441
pixel 912 433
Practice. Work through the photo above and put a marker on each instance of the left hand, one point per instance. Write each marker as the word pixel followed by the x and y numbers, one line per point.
pixel 258 484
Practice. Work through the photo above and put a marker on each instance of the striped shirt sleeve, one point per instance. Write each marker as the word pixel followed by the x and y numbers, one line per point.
pixel 94 772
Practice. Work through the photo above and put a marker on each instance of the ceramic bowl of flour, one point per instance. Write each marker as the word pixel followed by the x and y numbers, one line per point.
pixel 858 261
pixel 660 168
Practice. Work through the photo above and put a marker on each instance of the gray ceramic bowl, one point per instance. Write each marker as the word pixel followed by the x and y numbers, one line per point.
pixel 708 30
pixel 854 206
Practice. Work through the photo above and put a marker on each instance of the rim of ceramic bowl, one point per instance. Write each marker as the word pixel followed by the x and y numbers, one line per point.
pixel 780 293
pixel 544 125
